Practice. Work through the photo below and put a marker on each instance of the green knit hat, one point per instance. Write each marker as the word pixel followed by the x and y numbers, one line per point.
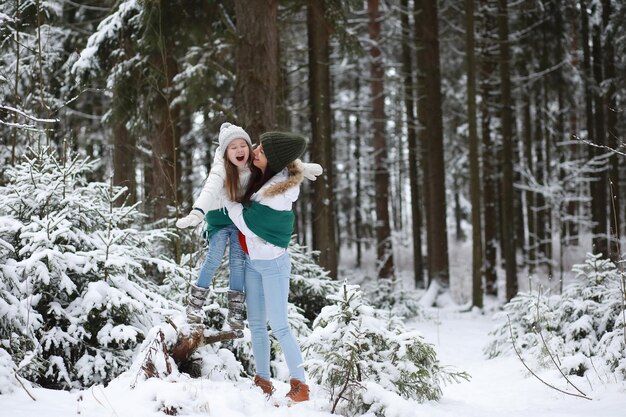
pixel 282 148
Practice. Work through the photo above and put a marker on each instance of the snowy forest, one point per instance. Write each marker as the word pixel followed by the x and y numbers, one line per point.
pixel 461 253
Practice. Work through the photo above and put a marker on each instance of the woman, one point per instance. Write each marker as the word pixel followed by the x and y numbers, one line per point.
pixel 265 220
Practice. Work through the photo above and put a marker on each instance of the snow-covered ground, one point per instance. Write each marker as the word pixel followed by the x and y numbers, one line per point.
pixel 499 387
pixel 502 386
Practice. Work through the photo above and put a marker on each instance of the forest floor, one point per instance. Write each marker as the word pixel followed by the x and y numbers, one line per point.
pixel 498 387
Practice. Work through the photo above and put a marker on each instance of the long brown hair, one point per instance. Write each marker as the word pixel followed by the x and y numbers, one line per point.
pixel 231 182
pixel 258 178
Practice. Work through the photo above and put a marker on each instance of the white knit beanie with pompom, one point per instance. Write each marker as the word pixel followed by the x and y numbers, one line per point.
pixel 230 132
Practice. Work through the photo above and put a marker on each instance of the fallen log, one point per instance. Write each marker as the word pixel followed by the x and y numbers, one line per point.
pixel 200 336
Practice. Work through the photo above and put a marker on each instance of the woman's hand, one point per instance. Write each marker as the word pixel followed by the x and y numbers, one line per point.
pixel 312 171
pixel 191 220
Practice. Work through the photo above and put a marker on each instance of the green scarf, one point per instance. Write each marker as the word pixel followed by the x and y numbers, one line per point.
pixel 216 220
pixel 273 226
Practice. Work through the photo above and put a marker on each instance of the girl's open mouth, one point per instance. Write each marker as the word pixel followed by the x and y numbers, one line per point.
pixel 240 158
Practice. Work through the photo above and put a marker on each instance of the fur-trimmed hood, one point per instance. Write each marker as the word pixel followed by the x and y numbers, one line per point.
pixel 290 177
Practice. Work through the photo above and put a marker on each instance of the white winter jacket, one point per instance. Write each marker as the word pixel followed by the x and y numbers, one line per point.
pixel 279 193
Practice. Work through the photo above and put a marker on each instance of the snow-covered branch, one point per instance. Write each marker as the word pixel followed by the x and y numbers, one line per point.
pixel 28 116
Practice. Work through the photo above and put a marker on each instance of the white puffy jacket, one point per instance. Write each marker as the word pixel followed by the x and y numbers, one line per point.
pixel 278 193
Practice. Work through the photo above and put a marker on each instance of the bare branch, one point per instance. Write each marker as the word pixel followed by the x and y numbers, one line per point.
pixel 17 377
pixel 28 116
pixel 545 345
pixel 608 148
pixel 534 374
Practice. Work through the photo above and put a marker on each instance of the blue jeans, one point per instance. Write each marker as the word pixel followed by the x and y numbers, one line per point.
pixel 236 258
pixel 267 290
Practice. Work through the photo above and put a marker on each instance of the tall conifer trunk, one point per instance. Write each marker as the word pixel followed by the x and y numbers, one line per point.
pixel 508 219
pixel 124 145
pixel 384 252
pixel 165 137
pixel 321 144
pixel 256 64
pixel 430 114
pixel 474 156
pixel 531 247
pixel 540 175
pixel 487 72
pixel 599 199
pixel 358 195
pixel 588 83
pixel 409 106
pixel 613 141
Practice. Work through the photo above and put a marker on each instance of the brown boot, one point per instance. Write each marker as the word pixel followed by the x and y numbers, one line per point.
pixel 265 385
pixel 299 391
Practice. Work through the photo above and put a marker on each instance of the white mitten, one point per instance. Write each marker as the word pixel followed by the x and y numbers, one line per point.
pixel 191 220
pixel 312 171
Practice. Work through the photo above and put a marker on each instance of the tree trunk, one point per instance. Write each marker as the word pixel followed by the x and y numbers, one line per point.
pixel 610 104
pixel 599 199
pixel 429 106
pixel 321 146
pixel 186 163
pixel 573 207
pixel 545 214
pixel 165 138
pixel 349 229
pixel 397 206
pixel 508 217
pixel 124 145
pixel 474 156
pixel 531 246
pixel 358 199
pixel 283 113
pixel 584 18
pixel 148 174
pixel 164 175
pixel 487 71
pixel 559 84
pixel 520 225
pixel 409 106
pixel 16 87
pixel 187 343
pixel 422 110
pixel 256 59
pixel 384 250
pixel 539 173
pixel 458 211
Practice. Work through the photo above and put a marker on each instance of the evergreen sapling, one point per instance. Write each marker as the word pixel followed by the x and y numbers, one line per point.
pixel 366 360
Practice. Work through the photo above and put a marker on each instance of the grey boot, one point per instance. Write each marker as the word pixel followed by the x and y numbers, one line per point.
pixel 197 297
pixel 235 309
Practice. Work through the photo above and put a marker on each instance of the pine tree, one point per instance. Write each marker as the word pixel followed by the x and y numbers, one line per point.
pixel 583 327
pixel 363 356
pixel 76 298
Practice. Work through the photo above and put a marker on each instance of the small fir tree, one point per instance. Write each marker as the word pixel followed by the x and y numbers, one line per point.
pixel 364 356
pixel 391 296
pixel 310 284
pixel 75 300
pixel 583 327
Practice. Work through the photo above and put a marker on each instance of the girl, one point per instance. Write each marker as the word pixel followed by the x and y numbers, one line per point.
pixel 229 173
pixel 266 224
